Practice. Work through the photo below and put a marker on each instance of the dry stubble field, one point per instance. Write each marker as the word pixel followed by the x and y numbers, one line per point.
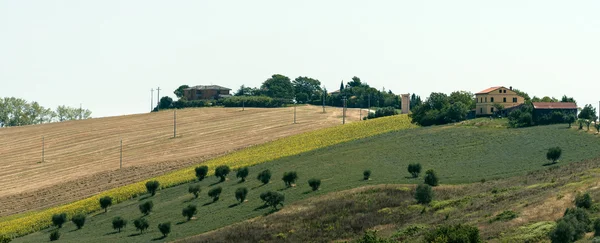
pixel 82 157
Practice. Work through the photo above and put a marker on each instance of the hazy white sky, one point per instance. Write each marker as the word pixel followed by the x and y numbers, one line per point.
pixel 109 54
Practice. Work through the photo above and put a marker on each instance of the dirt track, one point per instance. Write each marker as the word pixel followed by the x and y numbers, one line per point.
pixel 82 157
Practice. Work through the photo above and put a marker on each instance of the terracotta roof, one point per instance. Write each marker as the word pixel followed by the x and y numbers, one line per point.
pixel 205 87
pixel 485 91
pixel 554 105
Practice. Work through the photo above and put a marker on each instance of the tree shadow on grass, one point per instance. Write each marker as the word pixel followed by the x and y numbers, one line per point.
pixel 307 192
pixel 259 186
pixel 112 233
pixel 261 207
pixel 209 203
pixel 144 198
pixel 218 182
pixel 189 200
pixel 273 210
pixel 135 234
pixel 284 189
pixel 550 164
pixel 159 238
pixel 234 205
pixel 180 223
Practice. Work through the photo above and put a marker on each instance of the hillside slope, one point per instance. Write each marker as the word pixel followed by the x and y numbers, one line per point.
pixel 460 154
pixel 82 157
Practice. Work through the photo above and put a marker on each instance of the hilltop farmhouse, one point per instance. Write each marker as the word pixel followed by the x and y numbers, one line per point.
pixel 486 99
pixel 206 92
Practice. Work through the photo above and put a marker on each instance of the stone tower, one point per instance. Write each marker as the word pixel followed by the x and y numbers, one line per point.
pixel 405 103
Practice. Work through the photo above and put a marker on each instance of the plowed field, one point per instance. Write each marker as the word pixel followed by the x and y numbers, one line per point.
pixel 82 157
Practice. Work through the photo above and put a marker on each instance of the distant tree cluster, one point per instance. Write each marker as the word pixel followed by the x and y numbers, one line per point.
pixel 441 109
pixel 19 112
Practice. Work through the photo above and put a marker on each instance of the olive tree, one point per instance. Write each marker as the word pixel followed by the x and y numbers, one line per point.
pixel 554 154
pixel 152 186
pixel 264 176
pixel 215 193
pixel 201 172
pixel 222 172
pixel 242 173
pixel 189 211
pixel 105 202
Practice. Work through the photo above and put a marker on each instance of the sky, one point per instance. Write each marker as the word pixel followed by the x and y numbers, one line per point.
pixel 107 55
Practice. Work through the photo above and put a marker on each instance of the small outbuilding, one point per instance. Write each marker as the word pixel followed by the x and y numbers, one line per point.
pixel 206 92
pixel 541 109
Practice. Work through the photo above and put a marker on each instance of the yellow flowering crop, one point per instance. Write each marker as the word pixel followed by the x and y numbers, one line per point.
pixel 19 225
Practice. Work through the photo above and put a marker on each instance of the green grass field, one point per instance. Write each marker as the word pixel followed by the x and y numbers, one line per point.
pixel 459 154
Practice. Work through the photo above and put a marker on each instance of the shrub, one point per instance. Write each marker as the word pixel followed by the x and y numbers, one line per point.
pixel 366 175
pixel 583 201
pixel 382 112
pixel 431 178
pixel 222 171
pixel 554 154
pixel 59 219
pixel 78 220
pixel 423 194
pixel 5 239
pixel 194 189
pixel 242 173
pixel 105 202
pixel 165 228
pixel 141 224
pixel 189 211
pixel 241 193
pixel 370 236
pixel 597 227
pixel 201 172
pixel 118 223
pixel 572 226
pixel 254 101
pixel 314 184
pixel 146 207
pixel 55 235
pixel 454 233
pixel 215 193
pixel 414 169
pixel 507 215
pixel 264 176
pixel 272 199
pixel 289 178
pixel 152 186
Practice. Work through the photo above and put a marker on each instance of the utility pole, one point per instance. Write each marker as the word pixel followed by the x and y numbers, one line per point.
pixel 174 123
pixel 157 98
pixel 243 105
pixel 369 107
pixel 80 112
pixel 323 100
pixel 151 99
pixel 360 116
pixel 121 159
pixel 294 113
pixel 43 148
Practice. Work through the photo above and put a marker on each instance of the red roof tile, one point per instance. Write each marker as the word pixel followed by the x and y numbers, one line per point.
pixel 485 91
pixel 554 105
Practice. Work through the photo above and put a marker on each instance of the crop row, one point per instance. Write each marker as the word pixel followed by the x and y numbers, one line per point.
pixel 27 223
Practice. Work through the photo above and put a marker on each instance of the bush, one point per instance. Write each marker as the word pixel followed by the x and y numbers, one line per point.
pixel 222 171
pixel 165 228
pixel 201 172
pixel 78 220
pixel 105 202
pixel 5 239
pixel 146 208
pixel 454 233
pixel 597 227
pixel 141 224
pixel 382 112
pixel 507 215
pixel 424 194
pixel 241 193
pixel 152 186
pixel 272 199
pixel 242 173
pixel 189 211
pixel 215 193
pixel 414 169
pixel 289 178
pixel 118 223
pixel 554 154
pixel 572 226
pixel 583 201
pixel 366 175
pixel 55 235
pixel 431 178
pixel 59 219
pixel 194 189
pixel 370 236
pixel 264 176
pixel 314 184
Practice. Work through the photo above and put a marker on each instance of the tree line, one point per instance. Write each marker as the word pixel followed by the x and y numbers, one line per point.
pixel 19 112
pixel 279 90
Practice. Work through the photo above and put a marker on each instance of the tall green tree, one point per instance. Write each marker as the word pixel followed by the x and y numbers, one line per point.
pixel 311 88
pixel 588 112
pixel 355 82
pixel 179 91
pixel 464 97
pixel 278 86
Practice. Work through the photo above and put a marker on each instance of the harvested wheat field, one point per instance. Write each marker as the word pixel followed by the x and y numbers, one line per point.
pixel 82 157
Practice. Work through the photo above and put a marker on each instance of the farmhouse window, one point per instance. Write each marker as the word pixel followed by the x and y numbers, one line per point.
pixel 492 109
pixel 480 110
pixel 492 99
pixel 504 99
pixel 515 100
pixel 500 91
pixel 486 99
